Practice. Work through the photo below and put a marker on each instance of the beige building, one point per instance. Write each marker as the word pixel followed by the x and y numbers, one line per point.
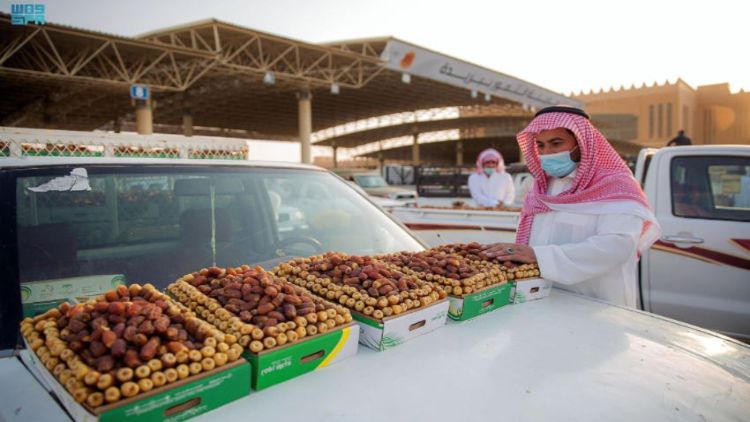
pixel 652 115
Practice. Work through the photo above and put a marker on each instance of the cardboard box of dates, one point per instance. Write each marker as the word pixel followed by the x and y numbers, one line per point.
pixel 475 287
pixel 391 307
pixel 133 352
pixel 525 281
pixel 285 331
pixel 39 296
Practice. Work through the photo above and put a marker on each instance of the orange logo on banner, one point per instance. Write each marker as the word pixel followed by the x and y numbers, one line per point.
pixel 407 60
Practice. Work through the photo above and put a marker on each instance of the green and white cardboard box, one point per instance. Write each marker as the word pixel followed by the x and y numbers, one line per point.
pixel 292 360
pixel 39 296
pixel 395 330
pixel 174 402
pixel 530 289
pixel 480 302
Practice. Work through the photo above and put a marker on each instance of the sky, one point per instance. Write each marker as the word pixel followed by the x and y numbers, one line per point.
pixel 566 46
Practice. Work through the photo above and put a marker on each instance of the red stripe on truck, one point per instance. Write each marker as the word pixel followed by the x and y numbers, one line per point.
pixel 742 243
pixel 704 254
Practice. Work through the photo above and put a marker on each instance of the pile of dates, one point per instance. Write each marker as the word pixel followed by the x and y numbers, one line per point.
pixel 360 283
pixel 455 274
pixel 473 251
pixel 522 271
pixel 260 309
pixel 129 341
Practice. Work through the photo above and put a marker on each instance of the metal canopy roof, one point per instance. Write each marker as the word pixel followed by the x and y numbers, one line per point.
pixel 504 117
pixel 55 76
pixel 360 138
pixel 444 152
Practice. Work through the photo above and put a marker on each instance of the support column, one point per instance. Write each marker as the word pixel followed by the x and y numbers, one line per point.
pixel 415 147
pixel 187 122
pixel 144 118
pixel 381 159
pixel 304 104
pixel 459 153
pixel 335 156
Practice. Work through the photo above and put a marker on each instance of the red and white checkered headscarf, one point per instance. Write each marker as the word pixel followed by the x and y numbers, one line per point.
pixel 602 176
pixel 487 155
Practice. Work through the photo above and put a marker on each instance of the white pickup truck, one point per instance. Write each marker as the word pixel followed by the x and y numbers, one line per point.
pixel 699 271
pixel 73 227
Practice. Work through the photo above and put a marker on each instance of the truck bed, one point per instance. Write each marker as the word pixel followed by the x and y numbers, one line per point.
pixel 439 226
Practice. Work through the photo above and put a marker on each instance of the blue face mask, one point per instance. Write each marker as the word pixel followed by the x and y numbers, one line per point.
pixel 559 164
pixel 489 171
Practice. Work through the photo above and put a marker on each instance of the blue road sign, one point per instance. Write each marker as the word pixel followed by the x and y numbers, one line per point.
pixel 139 92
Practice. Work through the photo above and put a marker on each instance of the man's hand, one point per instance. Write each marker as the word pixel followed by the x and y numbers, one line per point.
pixel 509 252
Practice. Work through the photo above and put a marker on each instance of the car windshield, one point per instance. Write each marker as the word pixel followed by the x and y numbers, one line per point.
pixel 370 181
pixel 79 228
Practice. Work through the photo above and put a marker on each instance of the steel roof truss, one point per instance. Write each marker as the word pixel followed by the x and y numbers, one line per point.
pixel 16 45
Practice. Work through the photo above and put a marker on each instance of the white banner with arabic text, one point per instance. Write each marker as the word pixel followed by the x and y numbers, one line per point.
pixel 418 61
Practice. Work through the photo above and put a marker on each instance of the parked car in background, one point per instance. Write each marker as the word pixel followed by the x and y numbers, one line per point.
pixel 699 271
pixel 374 185
pixel 444 185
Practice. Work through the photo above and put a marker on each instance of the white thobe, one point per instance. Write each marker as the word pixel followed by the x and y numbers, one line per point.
pixel 492 190
pixel 589 254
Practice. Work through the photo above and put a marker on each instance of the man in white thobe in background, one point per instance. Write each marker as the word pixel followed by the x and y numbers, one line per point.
pixel 490 185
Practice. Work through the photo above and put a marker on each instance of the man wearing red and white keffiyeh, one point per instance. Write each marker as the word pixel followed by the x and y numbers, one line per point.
pixel 490 185
pixel 586 220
